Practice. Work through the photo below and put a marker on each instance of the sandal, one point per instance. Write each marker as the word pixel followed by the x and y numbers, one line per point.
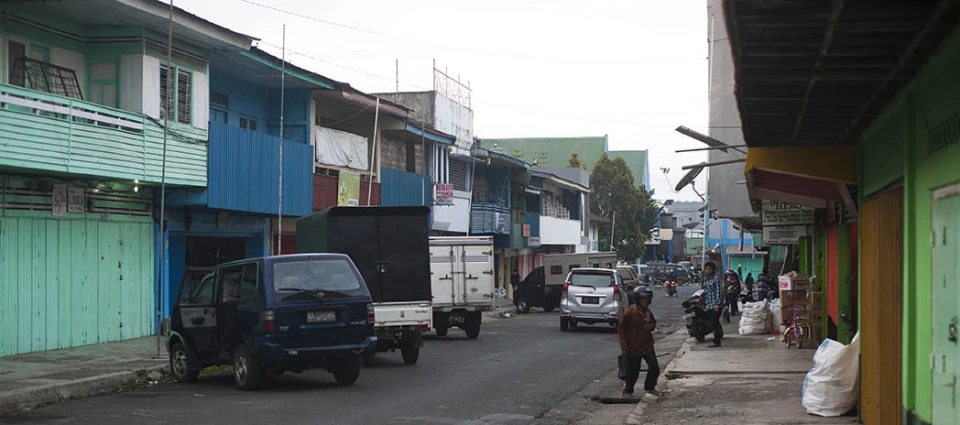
pixel 713 346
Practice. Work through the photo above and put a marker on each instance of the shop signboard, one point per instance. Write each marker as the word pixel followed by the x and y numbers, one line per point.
pixel 784 214
pixel 783 235
pixel 348 189
pixel 75 200
pixel 533 242
pixel 444 193
pixel 59 200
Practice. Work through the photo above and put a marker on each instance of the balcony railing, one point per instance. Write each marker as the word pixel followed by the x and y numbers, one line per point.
pixel 489 219
pixel 45 132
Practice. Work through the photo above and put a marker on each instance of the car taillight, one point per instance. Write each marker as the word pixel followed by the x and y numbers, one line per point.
pixel 566 287
pixel 269 320
pixel 371 317
pixel 616 290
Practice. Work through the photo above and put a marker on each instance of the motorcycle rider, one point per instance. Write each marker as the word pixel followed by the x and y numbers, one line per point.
pixel 635 332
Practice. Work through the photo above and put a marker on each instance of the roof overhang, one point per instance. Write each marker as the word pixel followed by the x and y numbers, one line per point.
pixel 263 69
pixel 560 181
pixel 819 73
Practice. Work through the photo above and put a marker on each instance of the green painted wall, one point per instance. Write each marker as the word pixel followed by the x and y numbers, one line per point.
pixel 74 280
pixel 900 139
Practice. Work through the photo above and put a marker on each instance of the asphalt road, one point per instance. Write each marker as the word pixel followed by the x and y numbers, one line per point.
pixel 518 369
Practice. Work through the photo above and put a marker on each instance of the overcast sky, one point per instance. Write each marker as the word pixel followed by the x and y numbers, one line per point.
pixel 630 69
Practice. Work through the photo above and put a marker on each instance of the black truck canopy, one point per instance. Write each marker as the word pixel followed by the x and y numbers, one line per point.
pixel 389 245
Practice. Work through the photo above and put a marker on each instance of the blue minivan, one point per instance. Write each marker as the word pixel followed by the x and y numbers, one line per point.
pixel 269 315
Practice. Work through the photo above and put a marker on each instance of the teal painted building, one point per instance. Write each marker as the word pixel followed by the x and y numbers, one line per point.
pixel 83 106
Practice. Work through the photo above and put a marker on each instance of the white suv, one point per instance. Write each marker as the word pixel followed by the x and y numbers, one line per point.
pixel 592 296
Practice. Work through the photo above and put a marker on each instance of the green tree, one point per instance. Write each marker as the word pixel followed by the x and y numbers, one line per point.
pixel 517 153
pixel 636 213
pixel 544 159
pixel 576 162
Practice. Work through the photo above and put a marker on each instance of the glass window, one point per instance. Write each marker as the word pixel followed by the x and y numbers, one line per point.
pixel 556 270
pixel 248 287
pixel 180 108
pixel 218 115
pixel 230 283
pixel 594 279
pixel 198 292
pixel 184 91
pixel 15 70
pixel 331 277
pixel 574 266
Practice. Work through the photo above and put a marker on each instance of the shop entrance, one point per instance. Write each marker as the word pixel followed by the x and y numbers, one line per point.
pixel 203 254
pixel 881 254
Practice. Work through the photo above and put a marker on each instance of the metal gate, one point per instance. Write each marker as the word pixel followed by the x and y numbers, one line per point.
pixel 881 298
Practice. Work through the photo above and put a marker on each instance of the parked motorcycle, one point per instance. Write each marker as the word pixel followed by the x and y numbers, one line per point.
pixel 671 287
pixel 698 321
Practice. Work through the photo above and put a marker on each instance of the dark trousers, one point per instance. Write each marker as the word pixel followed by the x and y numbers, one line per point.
pixel 633 372
pixel 717 326
pixel 732 299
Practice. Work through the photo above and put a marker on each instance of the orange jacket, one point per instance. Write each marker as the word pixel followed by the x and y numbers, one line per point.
pixel 635 331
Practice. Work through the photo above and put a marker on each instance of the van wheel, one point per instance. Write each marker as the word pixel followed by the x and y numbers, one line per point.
pixel 348 372
pixel 523 307
pixel 180 360
pixel 410 354
pixel 564 324
pixel 247 373
pixel 472 330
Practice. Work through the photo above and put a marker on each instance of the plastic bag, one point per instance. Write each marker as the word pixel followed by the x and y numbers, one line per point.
pixel 831 388
pixel 754 319
pixel 622 362
pixel 775 313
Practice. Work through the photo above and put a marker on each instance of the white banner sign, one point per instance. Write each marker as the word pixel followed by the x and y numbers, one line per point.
pixel 75 200
pixel 783 214
pixel 341 149
pixel 783 235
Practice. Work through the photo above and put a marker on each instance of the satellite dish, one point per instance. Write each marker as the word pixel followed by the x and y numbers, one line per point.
pixel 691 175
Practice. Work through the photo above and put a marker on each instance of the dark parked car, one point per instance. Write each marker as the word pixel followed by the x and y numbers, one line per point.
pixel 533 291
pixel 274 314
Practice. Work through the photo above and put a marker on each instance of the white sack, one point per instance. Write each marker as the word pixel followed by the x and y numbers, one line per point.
pixel 776 314
pixel 754 318
pixel 341 149
pixel 831 388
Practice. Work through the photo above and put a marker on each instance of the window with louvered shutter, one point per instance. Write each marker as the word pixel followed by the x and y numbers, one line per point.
pixel 164 101
pixel 458 175
pixel 183 97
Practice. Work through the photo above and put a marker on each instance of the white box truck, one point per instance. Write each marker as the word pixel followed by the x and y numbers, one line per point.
pixel 461 276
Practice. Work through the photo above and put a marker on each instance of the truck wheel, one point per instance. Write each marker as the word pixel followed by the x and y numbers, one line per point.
pixel 180 364
pixel 523 306
pixel 410 354
pixel 472 330
pixel 348 372
pixel 564 324
pixel 247 373
pixel 441 330
pixel 549 307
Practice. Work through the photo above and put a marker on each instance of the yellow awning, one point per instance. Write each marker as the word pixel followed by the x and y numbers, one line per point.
pixel 834 164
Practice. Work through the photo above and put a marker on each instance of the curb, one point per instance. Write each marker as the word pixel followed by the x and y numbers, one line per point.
pixel 636 416
pixel 17 401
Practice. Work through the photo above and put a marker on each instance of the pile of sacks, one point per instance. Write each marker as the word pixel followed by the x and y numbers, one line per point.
pixel 755 318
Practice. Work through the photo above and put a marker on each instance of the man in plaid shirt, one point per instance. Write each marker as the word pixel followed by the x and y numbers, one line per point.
pixel 713 292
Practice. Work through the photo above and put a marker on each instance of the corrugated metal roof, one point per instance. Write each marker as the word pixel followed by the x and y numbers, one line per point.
pixel 261 68
pixel 819 73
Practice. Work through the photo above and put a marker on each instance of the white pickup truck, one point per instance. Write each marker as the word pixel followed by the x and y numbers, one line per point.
pixel 461 276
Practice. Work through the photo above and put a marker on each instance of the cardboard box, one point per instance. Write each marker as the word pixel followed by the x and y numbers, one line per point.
pixel 793 281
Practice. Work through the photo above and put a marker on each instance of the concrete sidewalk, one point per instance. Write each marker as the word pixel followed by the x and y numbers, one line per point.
pixel 37 379
pixel 751 379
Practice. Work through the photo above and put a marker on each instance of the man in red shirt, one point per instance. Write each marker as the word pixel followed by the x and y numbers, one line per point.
pixel 635 331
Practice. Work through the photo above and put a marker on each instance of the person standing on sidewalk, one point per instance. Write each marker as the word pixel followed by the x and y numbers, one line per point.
pixel 713 291
pixel 635 332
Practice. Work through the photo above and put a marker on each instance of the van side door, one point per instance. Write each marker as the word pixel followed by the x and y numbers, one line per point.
pixel 198 313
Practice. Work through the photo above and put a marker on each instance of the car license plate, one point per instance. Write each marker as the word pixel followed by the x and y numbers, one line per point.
pixel 591 300
pixel 690 315
pixel 321 316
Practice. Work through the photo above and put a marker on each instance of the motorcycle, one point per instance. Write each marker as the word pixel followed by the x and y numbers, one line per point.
pixel 671 287
pixel 697 319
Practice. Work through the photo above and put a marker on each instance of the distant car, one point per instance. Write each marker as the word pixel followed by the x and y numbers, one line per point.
pixel 644 271
pixel 533 291
pixel 273 314
pixel 592 296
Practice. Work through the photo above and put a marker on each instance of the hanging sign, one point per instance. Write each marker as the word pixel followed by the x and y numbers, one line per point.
pixel 75 200
pixel 533 242
pixel 444 193
pixel 348 190
pixel 784 214
pixel 783 235
pixel 59 200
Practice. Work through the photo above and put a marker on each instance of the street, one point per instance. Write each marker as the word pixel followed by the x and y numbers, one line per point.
pixel 517 370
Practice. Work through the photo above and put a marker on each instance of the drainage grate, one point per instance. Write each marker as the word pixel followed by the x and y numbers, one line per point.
pixel 944 134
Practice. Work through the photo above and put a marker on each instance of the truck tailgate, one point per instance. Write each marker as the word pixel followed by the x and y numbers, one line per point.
pixel 402 314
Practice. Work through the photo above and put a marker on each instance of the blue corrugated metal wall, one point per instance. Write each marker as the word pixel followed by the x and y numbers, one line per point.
pixel 402 188
pixel 244 172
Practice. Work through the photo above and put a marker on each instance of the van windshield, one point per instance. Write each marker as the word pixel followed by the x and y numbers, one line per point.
pixel 324 277
pixel 596 280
